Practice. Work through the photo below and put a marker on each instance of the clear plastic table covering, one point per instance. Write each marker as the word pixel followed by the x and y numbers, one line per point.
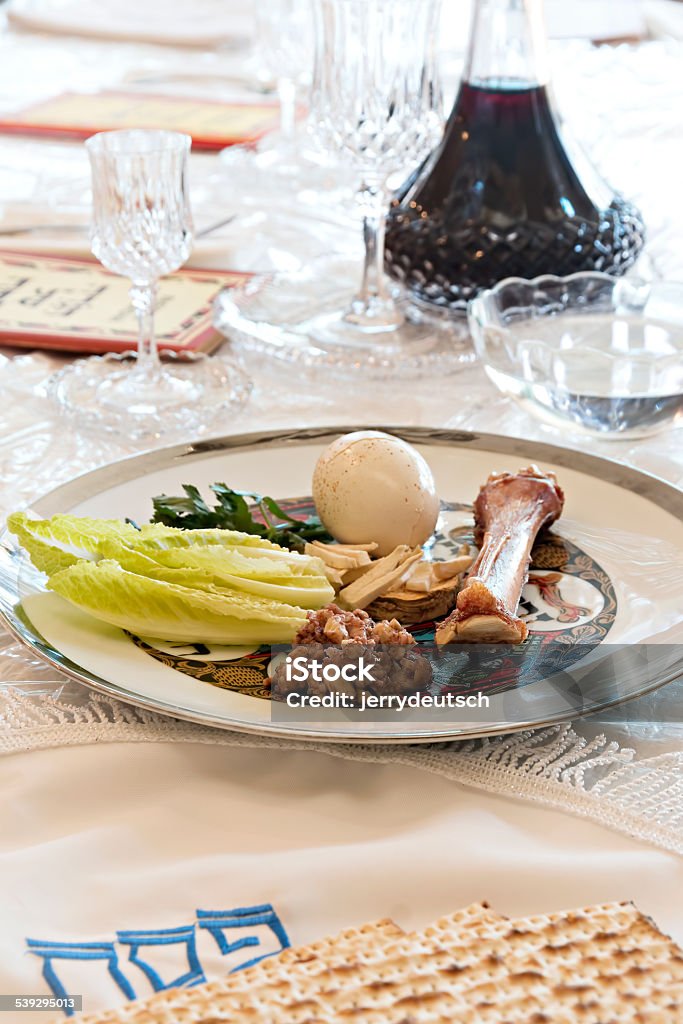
pixel 625 104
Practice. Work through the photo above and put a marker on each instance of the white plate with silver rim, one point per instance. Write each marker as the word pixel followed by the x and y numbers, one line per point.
pixel 617 600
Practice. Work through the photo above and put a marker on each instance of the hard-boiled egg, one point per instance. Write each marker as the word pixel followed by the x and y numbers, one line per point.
pixel 370 486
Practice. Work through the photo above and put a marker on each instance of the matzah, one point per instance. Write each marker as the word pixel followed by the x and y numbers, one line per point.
pixel 178 1004
pixel 606 964
pixel 278 987
pixel 600 965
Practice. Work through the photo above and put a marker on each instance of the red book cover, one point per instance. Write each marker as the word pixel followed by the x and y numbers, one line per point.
pixel 75 305
pixel 211 123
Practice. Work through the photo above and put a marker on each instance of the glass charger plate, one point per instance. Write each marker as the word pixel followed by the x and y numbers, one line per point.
pixel 294 318
pixel 616 601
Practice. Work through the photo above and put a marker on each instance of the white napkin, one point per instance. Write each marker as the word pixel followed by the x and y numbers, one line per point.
pixel 203 23
pixel 105 848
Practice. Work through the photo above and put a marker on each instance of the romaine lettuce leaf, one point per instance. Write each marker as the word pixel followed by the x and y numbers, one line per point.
pixel 155 535
pixel 224 568
pixel 233 560
pixel 59 542
pixel 207 586
pixel 169 611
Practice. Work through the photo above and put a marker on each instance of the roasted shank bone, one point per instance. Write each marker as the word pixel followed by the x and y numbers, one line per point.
pixel 509 512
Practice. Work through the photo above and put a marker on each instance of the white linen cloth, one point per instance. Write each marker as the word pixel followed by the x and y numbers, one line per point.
pixel 114 844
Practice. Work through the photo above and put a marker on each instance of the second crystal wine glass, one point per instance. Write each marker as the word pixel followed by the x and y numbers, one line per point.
pixel 284 33
pixel 376 103
pixel 142 229
pixel 376 106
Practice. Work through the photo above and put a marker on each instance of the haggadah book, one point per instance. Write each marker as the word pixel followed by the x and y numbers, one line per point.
pixel 75 305
pixel 211 123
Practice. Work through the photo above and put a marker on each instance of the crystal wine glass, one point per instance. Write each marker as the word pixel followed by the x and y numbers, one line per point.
pixel 142 230
pixel 284 31
pixel 376 104
pixel 284 42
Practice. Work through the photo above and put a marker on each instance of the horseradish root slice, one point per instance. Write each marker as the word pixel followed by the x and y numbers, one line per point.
pixel 508 514
pixel 338 557
pixel 385 573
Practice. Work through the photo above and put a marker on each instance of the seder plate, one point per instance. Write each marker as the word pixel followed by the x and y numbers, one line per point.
pixel 609 591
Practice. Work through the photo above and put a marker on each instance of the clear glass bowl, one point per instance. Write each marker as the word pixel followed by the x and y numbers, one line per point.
pixel 602 354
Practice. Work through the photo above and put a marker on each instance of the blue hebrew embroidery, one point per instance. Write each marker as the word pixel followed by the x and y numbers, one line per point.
pixel 217 921
pixel 85 951
pixel 137 947
pixel 184 936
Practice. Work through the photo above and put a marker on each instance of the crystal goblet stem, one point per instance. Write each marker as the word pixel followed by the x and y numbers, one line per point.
pixel 373 308
pixel 148 381
pixel 143 297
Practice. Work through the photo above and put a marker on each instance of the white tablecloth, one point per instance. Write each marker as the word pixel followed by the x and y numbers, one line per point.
pixel 106 842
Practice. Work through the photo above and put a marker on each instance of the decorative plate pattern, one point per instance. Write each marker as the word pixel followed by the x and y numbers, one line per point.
pixel 568 602
pixel 617 507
